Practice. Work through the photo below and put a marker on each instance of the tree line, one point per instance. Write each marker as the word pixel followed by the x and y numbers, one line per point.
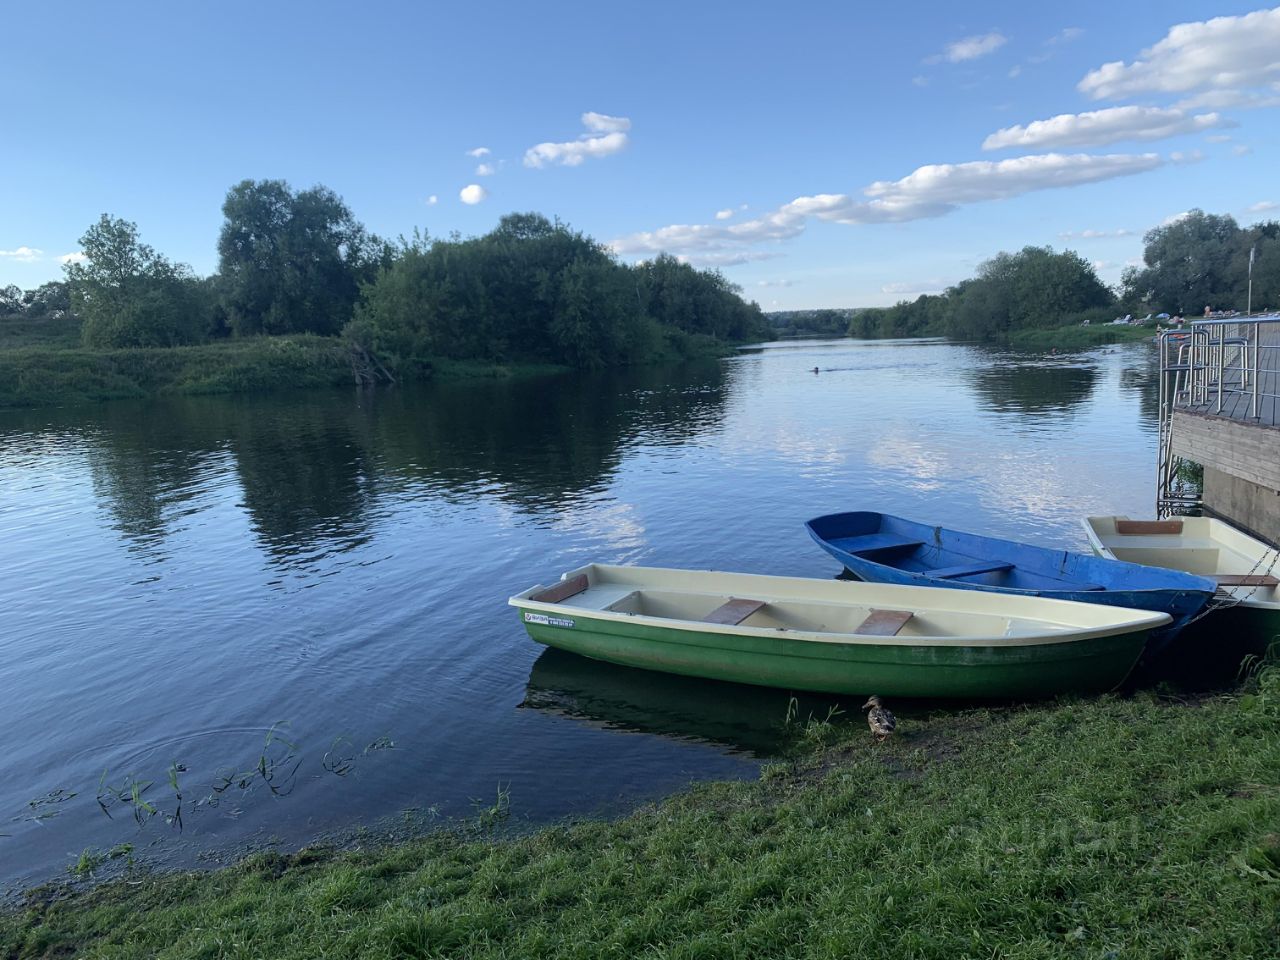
pixel 1196 261
pixel 531 290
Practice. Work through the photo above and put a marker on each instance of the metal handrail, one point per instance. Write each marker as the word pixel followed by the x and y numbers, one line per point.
pixel 1248 342
pixel 1196 363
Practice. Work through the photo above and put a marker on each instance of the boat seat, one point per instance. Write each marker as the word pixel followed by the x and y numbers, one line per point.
pixel 869 542
pixel 1129 528
pixel 733 612
pixel 883 623
pixel 562 590
pixel 970 569
pixel 1246 580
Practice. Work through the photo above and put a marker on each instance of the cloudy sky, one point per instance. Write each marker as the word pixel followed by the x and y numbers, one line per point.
pixel 821 154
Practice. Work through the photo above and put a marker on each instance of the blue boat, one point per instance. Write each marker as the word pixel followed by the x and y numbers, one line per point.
pixel 887 549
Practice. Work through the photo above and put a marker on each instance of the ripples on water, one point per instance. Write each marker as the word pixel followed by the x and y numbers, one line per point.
pixel 180 576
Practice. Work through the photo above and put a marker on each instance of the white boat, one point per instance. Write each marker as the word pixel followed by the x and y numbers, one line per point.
pixel 1244 567
pixel 837 636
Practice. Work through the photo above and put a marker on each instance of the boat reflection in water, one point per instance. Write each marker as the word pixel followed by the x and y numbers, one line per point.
pixel 749 720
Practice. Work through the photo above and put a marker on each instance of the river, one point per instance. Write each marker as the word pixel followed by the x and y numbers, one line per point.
pixel 238 622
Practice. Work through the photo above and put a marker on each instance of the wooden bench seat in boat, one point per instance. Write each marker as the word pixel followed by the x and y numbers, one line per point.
pixel 733 612
pixel 870 542
pixel 562 590
pixel 1129 528
pixel 970 569
pixel 1246 580
pixel 883 623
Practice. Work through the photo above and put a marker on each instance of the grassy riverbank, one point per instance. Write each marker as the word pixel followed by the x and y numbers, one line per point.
pixel 1076 337
pixel 52 373
pixel 41 376
pixel 1139 827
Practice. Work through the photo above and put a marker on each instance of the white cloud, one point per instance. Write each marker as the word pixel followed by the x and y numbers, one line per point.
pixel 920 81
pixel 724 214
pixel 1095 234
pixel 23 254
pixel 1100 265
pixel 486 170
pixel 432 200
pixel 1065 35
pixel 775 283
pixel 479 152
pixel 1174 218
pixel 725 259
pixel 1100 127
pixel 936 189
pixel 1184 157
pixel 916 286
pixel 1014 71
pixel 1232 99
pixel 1241 150
pixel 603 123
pixel 1262 206
pixel 1218 138
pixel 930 191
pixel 574 152
pixel 971 48
pixel 76 257
pixel 703 238
pixel 473 194
pixel 605 136
pixel 1225 53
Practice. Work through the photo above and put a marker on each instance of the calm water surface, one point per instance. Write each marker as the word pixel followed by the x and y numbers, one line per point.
pixel 265 593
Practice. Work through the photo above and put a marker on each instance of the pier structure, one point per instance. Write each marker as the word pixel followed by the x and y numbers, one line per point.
pixel 1220 408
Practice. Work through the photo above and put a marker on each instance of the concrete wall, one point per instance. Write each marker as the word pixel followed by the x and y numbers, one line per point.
pixel 1247 505
pixel 1241 469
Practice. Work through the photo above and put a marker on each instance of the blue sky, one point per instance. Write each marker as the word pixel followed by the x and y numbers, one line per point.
pixel 822 154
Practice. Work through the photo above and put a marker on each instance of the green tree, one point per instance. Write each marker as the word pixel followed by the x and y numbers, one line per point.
pixel 1263 240
pixel 535 290
pixel 11 302
pixel 1188 265
pixel 128 294
pixel 52 299
pixel 292 262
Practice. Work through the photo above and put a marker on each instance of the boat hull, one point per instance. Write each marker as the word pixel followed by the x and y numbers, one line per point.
pixel 1080 578
pixel 1090 665
pixel 1207 547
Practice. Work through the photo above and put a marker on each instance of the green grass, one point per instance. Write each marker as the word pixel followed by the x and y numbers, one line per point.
pixel 48 369
pixel 17 332
pixel 40 376
pixel 1076 337
pixel 1111 828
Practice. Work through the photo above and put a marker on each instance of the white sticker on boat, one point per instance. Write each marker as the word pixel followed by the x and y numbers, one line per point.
pixel 547 621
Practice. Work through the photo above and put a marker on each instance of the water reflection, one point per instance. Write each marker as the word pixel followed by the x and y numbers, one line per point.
pixel 311 468
pixel 750 719
pixel 1023 384
pixel 183 575
pixel 540 442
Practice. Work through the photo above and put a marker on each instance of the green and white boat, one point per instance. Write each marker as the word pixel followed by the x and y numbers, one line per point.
pixel 1244 568
pixel 837 636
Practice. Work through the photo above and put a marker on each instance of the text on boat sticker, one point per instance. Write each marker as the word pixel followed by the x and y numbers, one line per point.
pixel 547 621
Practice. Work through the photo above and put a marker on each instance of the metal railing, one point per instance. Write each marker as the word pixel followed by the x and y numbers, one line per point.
pixel 1213 366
